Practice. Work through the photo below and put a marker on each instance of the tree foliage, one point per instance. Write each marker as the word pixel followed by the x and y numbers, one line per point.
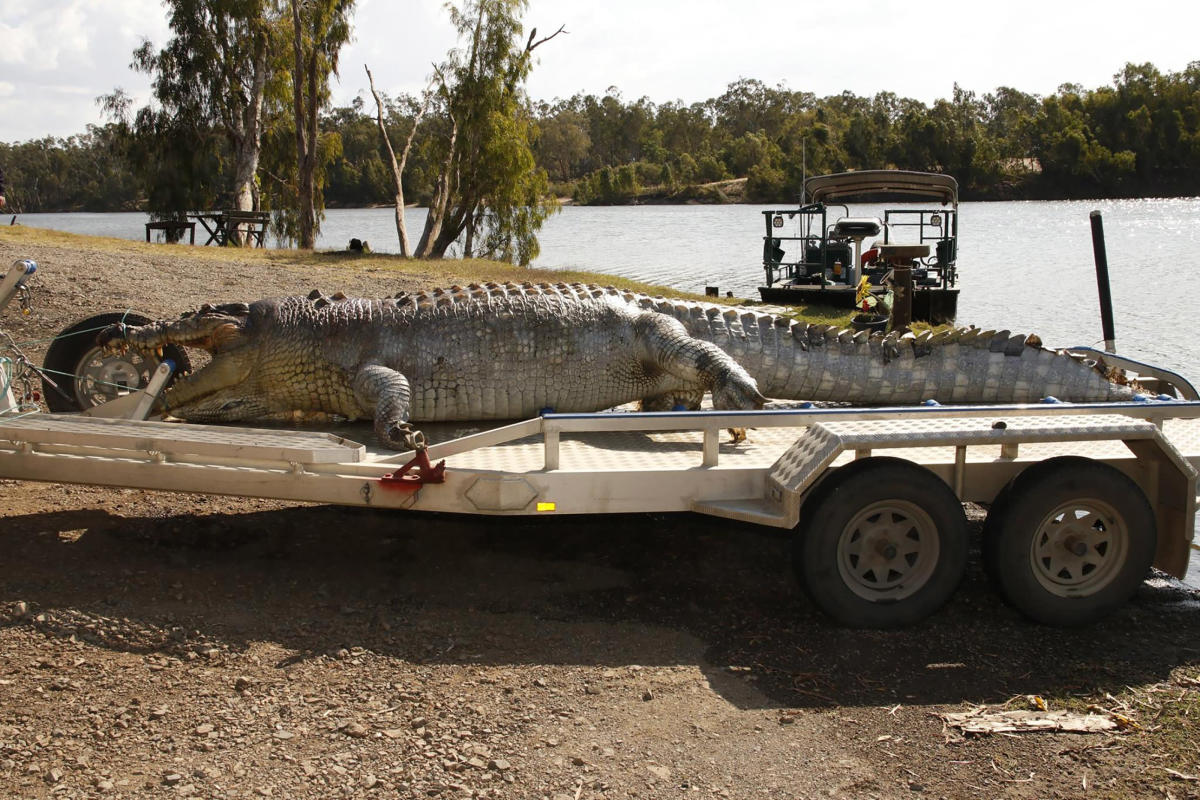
pixel 200 140
pixel 319 29
pixel 489 193
pixel 1138 136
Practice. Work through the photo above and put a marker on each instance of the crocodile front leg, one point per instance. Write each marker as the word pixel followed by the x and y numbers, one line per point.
pixel 387 392
pixel 668 347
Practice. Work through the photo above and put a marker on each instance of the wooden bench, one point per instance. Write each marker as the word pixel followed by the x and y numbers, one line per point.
pixel 224 227
pixel 177 226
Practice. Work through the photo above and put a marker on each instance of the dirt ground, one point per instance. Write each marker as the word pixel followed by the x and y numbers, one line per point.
pixel 169 645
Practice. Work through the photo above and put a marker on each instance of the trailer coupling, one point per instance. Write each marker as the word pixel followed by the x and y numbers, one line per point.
pixel 415 474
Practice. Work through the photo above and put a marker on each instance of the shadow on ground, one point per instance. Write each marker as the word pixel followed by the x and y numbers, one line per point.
pixel 603 590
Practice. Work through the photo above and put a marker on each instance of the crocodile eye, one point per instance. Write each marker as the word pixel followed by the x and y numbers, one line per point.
pixel 230 405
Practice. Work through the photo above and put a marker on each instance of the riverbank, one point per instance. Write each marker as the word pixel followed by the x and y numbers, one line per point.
pixel 179 645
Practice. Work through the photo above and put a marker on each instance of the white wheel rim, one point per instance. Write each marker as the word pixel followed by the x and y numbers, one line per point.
pixel 100 378
pixel 888 551
pixel 1079 548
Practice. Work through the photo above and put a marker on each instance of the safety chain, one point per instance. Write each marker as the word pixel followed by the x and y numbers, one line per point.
pixel 17 372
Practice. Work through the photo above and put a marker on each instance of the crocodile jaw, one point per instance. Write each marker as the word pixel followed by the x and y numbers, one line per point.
pixel 222 391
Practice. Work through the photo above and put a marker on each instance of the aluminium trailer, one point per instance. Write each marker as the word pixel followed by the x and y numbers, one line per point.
pixel 1083 498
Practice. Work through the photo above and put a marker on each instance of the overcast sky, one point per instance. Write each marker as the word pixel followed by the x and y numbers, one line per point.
pixel 57 56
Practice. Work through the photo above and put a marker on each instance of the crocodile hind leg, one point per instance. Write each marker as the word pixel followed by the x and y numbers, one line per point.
pixel 386 392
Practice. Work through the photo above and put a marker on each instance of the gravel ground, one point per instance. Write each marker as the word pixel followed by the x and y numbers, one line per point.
pixel 169 645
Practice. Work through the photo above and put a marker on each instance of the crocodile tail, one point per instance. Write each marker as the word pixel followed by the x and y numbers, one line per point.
pixel 798 361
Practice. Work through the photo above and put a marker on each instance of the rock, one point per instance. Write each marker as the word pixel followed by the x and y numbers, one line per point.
pixel 499 764
pixel 647 695
pixel 172 778
pixel 661 773
pixel 393 733
pixel 356 730
pixel 205 729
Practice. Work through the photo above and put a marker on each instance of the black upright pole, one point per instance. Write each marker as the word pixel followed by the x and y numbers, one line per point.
pixel 1106 312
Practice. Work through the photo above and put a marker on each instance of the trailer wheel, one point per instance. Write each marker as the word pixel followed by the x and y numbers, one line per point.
pixel 882 544
pixel 1071 543
pixel 87 377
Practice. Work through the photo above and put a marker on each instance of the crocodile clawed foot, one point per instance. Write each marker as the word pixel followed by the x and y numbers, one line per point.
pixel 113 338
pixel 738 395
pixel 737 435
pixel 403 436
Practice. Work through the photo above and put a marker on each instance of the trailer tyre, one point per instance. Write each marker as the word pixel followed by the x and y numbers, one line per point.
pixel 882 544
pixel 87 377
pixel 1071 542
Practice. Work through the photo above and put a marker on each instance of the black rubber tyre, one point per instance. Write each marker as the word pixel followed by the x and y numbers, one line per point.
pixel 882 543
pixel 1071 544
pixel 87 377
pixel 995 517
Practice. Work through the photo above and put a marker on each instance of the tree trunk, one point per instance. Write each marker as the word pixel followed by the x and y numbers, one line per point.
pixel 437 209
pixel 397 167
pixel 250 137
pixel 303 73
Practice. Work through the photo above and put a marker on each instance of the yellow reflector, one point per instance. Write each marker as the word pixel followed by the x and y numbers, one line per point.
pixel 546 506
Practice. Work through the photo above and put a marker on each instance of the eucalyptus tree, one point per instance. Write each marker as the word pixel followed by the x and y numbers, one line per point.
pixel 319 30
pixel 489 188
pixel 211 79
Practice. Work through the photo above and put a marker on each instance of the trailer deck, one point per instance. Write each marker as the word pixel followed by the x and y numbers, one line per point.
pixel 597 463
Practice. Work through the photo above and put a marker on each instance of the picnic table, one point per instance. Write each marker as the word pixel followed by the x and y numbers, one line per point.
pixel 177 226
pixel 224 227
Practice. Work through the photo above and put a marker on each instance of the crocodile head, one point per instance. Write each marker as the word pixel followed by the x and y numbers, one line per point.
pixel 224 390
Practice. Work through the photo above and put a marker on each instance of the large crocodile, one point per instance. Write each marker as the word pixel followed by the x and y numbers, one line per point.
pixel 498 351
pixel 426 357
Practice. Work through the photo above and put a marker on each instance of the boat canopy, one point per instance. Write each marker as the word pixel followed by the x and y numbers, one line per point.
pixel 882 181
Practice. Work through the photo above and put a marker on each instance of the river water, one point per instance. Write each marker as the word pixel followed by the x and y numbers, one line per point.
pixel 1024 266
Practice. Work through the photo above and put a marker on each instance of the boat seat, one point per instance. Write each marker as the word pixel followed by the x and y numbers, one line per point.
pixel 772 252
pixel 944 254
pixel 858 226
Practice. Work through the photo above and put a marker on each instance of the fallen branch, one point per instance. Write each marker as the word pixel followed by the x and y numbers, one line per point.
pixel 981 721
